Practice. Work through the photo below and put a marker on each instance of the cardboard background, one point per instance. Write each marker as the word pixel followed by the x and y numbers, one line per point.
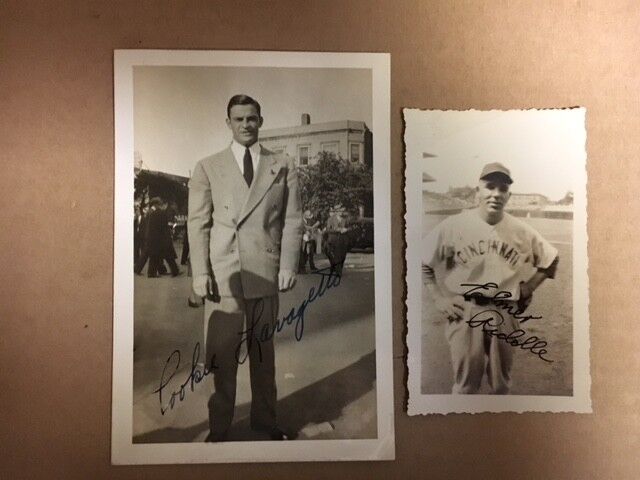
pixel 56 147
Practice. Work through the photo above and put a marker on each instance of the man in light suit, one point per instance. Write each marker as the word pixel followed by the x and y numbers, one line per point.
pixel 245 231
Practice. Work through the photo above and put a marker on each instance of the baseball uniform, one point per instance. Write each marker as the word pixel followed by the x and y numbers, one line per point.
pixel 465 249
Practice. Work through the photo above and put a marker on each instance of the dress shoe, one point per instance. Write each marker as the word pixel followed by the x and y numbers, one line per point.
pixel 277 434
pixel 195 304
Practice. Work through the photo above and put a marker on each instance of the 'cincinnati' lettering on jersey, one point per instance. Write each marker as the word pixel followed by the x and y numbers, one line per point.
pixel 480 248
pixel 464 248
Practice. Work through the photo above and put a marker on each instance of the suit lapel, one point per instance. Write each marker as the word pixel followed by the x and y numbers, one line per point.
pixel 264 177
pixel 231 176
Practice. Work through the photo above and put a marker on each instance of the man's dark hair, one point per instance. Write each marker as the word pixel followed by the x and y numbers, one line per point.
pixel 242 100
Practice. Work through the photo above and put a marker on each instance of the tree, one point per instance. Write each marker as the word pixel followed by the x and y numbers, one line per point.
pixel 331 181
pixel 567 199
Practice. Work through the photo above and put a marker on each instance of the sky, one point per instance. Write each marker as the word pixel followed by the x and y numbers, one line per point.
pixel 179 112
pixel 541 148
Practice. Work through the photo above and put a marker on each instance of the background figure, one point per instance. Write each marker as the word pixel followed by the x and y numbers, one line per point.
pixel 158 240
pixel 184 257
pixel 337 240
pixel 137 233
pixel 309 243
pixel 141 233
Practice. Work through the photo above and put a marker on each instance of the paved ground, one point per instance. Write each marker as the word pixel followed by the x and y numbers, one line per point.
pixel 553 300
pixel 326 381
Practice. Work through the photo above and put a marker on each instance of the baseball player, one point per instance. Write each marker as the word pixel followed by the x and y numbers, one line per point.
pixel 485 246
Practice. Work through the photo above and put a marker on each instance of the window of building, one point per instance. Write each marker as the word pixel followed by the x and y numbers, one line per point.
pixel 303 155
pixel 330 147
pixel 354 152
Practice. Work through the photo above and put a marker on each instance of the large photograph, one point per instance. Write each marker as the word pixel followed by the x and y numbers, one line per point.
pixel 252 215
pixel 497 260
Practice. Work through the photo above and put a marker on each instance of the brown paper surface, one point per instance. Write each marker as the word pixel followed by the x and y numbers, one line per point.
pixel 56 146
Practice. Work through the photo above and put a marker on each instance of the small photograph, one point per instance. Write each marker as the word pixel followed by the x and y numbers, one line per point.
pixel 247 323
pixel 496 261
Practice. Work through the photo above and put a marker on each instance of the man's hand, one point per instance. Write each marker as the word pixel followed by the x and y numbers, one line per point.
pixel 203 286
pixel 286 280
pixel 452 308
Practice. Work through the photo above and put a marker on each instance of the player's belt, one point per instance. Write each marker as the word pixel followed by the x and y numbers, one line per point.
pixel 478 300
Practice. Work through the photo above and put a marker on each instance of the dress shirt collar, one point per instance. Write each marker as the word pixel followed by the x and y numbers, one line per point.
pixel 238 153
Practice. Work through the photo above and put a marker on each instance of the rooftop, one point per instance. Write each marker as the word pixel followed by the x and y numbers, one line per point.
pixel 351 125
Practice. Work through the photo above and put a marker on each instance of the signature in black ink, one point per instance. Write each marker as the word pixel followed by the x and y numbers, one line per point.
pixel 328 279
pixel 195 376
pixel 499 299
pixel 490 320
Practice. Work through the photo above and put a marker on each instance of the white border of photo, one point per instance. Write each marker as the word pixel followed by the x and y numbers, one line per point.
pixel 421 124
pixel 124 451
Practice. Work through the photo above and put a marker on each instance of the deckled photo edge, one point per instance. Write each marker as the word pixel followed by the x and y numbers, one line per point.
pixel 580 401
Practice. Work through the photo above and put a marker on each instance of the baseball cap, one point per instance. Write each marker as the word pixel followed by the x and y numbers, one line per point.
pixel 495 167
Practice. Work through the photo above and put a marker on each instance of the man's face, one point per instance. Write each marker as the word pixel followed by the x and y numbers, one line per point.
pixel 493 194
pixel 244 123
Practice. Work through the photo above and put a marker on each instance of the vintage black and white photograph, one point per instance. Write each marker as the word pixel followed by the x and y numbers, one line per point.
pixel 497 261
pixel 252 252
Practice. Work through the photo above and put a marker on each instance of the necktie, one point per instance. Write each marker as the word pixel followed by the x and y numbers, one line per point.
pixel 248 167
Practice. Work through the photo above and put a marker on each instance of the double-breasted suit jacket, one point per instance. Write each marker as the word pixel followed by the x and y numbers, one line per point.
pixel 243 236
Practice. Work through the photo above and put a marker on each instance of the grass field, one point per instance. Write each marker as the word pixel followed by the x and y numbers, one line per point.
pixel 553 301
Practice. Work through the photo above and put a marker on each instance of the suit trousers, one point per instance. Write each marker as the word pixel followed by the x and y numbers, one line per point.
pixel 473 351
pixel 336 248
pixel 155 265
pixel 232 330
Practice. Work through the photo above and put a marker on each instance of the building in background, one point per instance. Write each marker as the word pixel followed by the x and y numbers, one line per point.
pixel 172 188
pixel 348 139
pixel 528 200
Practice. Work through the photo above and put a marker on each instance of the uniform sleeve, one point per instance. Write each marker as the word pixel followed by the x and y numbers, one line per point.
pixel 545 255
pixel 433 244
